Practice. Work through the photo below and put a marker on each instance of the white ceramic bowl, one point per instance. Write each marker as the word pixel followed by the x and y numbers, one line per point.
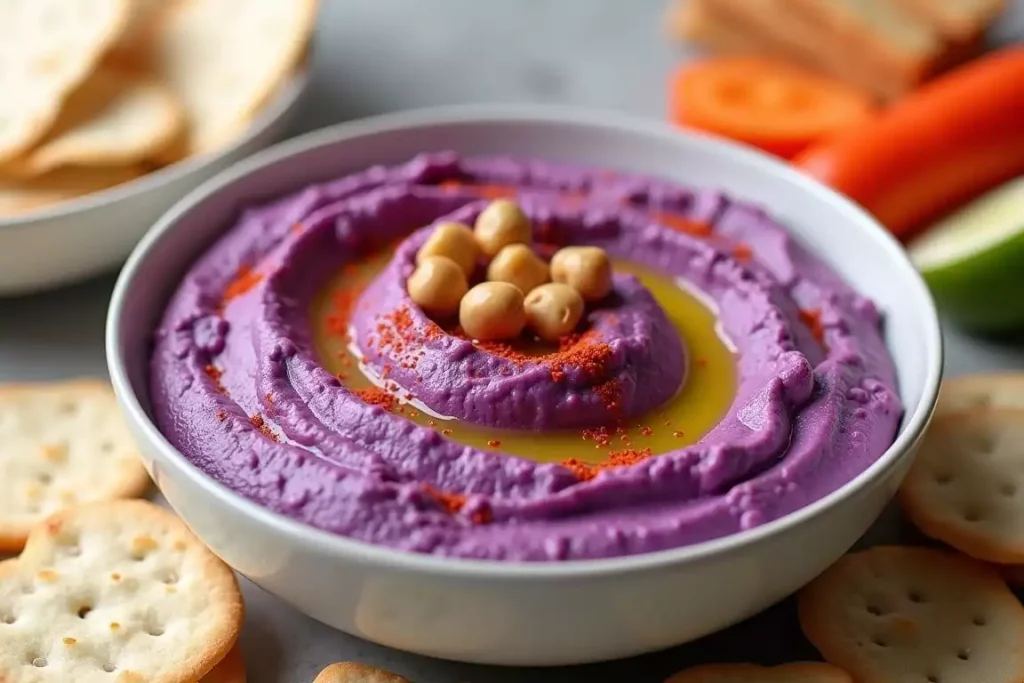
pixel 93 234
pixel 527 614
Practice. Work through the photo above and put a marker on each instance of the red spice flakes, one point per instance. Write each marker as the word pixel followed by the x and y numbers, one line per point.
pixel 493 191
pixel 222 415
pixel 668 423
pixel 646 431
pixel 609 393
pixel 259 423
pixel 581 470
pixel 493 443
pixel 451 185
pixel 297 228
pixel 627 457
pixel 446 432
pixel 269 397
pixel 601 435
pixel 680 224
pixel 678 434
pixel 743 252
pixel 624 458
pixel 812 319
pixel 342 376
pixel 375 396
pixel 342 303
pixel 431 423
pixel 481 516
pixel 215 373
pixel 702 362
pixel 451 502
pixel 245 279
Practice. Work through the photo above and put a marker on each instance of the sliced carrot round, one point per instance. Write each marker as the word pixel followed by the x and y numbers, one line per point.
pixel 768 104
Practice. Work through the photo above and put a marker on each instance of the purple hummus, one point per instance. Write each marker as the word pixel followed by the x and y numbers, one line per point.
pixel 815 402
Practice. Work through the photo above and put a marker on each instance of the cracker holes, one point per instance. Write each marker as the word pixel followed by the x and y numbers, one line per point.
pixel 67 408
pixel 972 515
pixel 107 446
pixel 879 641
pixel 155 630
pixel 109 668
pixel 964 654
pixel 915 597
pixel 1008 489
pixel 943 478
pixel 934 678
pixel 979 620
pixel 44 478
pixel 170 577
pixel 876 611
pixel 7 618
pixel 39 662
pixel 982 443
pixel 83 611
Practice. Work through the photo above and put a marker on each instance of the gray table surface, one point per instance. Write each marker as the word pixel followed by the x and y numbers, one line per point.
pixel 381 55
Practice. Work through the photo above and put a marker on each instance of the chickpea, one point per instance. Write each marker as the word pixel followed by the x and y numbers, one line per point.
pixel 553 310
pixel 587 269
pixel 518 265
pixel 502 223
pixel 492 310
pixel 437 285
pixel 454 240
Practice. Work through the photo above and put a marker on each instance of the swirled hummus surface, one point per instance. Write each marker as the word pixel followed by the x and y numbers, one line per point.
pixel 244 386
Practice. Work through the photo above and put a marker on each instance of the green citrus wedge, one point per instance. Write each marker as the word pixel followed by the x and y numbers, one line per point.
pixel 973 261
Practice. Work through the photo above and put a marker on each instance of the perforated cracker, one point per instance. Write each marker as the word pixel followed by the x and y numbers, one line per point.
pixel 915 615
pixel 966 487
pixel 115 592
pixel 61 444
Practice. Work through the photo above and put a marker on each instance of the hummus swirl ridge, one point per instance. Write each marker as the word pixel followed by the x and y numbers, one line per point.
pixel 237 387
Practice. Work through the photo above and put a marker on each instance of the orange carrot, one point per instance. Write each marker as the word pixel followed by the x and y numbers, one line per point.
pixel 940 146
pixel 771 105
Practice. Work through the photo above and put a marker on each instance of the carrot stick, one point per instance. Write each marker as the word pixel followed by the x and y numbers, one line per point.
pixel 771 105
pixel 940 146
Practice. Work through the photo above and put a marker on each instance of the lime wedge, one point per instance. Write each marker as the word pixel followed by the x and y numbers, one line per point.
pixel 973 261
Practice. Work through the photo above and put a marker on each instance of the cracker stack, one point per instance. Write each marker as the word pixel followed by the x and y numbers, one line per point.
pixel 884 46
pixel 99 92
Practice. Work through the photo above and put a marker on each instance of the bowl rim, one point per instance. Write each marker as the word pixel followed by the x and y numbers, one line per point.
pixel 341 547
pixel 277 106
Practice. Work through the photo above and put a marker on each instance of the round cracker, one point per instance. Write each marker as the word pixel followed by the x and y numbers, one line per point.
pixel 800 672
pixel 966 486
pixel 354 672
pixel 115 591
pixel 224 59
pixel 48 47
pixel 61 444
pixel 116 118
pixel 915 615
pixel 231 669
pixel 985 391
pixel 24 196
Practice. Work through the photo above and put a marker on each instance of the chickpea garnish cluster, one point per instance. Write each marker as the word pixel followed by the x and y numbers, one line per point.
pixel 521 289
